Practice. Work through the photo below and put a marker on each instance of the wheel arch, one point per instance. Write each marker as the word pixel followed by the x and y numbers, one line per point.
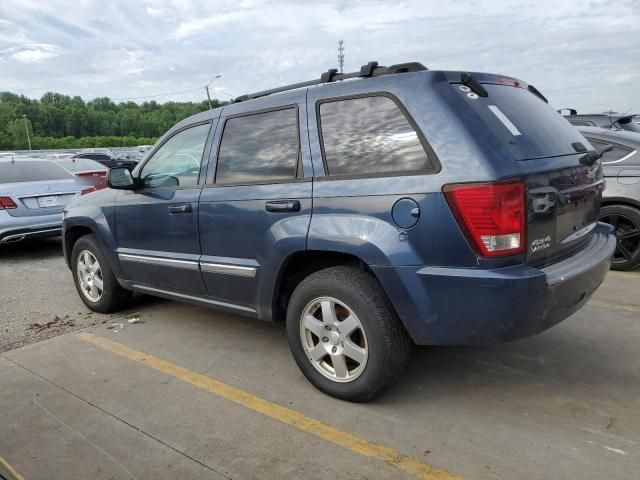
pixel 300 265
pixel 629 202
pixel 71 235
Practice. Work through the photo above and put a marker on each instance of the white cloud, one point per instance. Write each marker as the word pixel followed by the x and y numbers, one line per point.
pixel 31 53
pixel 580 54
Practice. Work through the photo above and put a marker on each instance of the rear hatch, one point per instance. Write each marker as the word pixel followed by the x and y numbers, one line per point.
pixel 36 187
pixel 528 139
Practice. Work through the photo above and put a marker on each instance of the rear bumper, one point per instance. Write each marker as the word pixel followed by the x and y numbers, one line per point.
pixel 15 229
pixel 457 306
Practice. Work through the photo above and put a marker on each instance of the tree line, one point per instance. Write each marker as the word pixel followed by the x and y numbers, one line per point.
pixel 62 121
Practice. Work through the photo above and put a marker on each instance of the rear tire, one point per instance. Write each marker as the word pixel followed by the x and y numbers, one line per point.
pixel 343 312
pixel 95 282
pixel 626 221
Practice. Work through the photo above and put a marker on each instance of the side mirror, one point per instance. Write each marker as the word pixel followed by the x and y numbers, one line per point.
pixel 120 178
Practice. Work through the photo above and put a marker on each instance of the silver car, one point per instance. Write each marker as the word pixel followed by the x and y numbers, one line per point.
pixel 33 193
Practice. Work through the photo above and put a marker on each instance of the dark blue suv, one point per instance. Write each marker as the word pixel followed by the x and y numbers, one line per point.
pixel 372 210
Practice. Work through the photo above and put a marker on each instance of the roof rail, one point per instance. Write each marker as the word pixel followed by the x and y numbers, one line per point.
pixel 371 69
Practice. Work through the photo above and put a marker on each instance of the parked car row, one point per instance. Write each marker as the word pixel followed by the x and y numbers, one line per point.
pixel 34 191
pixel 610 120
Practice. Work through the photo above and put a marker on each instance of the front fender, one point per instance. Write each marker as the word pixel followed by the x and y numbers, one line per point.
pixel 94 212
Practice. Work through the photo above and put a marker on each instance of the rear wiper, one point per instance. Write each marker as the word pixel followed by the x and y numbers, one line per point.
pixel 592 157
pixel 474 85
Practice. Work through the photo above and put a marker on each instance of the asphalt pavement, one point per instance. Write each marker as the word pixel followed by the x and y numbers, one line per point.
pixel 186 392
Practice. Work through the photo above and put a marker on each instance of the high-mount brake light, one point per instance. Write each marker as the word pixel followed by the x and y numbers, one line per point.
pixel 7 204
pixel 492 215
pixel 512 82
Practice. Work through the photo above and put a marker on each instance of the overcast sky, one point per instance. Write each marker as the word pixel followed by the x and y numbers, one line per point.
pixel 579 53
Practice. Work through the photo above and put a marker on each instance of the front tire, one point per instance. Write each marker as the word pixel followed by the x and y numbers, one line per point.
pixel 626 221
pixel 344 334
pixel 94 280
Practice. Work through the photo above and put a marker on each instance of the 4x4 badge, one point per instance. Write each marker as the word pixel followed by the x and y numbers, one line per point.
pixel 540 244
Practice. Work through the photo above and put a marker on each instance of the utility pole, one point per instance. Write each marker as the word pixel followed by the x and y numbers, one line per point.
pixel 206 87
pixel 341 54
pixel 26 127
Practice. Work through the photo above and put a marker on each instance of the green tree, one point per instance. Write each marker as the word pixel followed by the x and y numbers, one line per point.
pixel 18 130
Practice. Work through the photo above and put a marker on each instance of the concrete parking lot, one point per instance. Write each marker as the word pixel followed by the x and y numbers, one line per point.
pixel 187 392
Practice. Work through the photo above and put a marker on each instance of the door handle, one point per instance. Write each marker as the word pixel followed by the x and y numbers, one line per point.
pixel 282 206
pixel 184 208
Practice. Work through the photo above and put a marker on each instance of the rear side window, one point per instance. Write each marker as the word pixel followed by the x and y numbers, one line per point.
pixel 618 154
pixel 261 147
pixel 370 135
pixel 28 171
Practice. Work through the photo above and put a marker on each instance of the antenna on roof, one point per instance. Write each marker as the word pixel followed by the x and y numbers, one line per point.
pixel 340 55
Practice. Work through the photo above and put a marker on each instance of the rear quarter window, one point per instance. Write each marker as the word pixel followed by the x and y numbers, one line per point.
pixel 370 135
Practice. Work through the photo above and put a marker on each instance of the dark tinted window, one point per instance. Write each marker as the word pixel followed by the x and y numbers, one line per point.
pixel 617 153
pixel 259 147
pixel 101 157
pixel 30 171
pixel 369 135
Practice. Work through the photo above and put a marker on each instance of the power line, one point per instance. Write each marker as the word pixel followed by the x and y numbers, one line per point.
pixel 157 95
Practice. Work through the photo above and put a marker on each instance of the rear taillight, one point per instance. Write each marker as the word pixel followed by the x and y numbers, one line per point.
pixel 492 215
pixel 7 204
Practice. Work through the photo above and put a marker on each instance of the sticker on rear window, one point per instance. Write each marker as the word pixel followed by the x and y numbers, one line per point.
pixel 505 120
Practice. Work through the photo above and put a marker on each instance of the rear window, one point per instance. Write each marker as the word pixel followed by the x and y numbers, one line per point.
pixel 526 125
pixel 370 135
pixel 261 147
pixel 80 165
pixel 28 171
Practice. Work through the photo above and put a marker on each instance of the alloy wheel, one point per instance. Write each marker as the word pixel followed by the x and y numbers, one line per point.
pixel 89 276
pixel 627 237
pixel 334 339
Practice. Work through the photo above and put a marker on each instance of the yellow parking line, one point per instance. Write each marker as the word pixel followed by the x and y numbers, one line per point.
pixel 615 306
pixel 413 466
pixel 10 469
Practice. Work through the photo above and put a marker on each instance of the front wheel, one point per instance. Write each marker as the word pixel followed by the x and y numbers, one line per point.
pixel 626 221
pixel 94 280
pixel 344 335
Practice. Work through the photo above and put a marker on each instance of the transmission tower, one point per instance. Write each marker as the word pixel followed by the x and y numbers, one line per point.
pixel 341 54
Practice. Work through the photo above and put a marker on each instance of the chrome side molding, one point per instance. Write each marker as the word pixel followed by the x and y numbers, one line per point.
pixel 163 262
pixel 208 267
pixel 228 269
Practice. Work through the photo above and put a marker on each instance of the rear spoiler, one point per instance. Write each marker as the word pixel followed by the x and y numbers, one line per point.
pixel 625 119
pixel 474 82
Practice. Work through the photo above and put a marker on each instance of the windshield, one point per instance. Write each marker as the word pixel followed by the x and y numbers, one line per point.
pixel 31 171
